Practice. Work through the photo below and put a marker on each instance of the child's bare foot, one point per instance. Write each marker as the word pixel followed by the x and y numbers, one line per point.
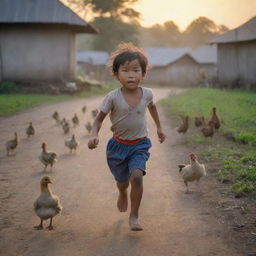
pixel 134 224
pixel 122 202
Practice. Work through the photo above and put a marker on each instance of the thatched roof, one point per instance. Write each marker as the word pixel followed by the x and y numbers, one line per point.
pixel 41 12
pixel 245 32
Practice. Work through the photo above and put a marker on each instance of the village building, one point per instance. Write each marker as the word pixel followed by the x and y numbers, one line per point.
pixel 206 57
pixel 180 66
pixel 37 40
pixel 236 56
pixel 93 64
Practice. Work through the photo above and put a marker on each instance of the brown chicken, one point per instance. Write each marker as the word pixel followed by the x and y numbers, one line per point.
pixel 84 109
pixel 65 126
pixel 88 127
pixel 63 121
pixel 72 144
pixel 209 129
pixel 215 119
pixel 11 145
pixel 47 157
pixel 193 171
pixel 75 120
pixel 183 126
pixel 56 117
pixel 94 113
pixel 199 121
pixel 30 130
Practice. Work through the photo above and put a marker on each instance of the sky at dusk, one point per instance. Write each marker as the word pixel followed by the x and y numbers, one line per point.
pixel 231 13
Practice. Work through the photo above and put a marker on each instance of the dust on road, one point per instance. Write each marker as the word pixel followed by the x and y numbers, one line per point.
pixel 90 224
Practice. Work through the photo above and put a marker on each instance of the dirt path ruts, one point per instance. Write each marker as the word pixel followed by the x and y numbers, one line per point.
pixel 175 223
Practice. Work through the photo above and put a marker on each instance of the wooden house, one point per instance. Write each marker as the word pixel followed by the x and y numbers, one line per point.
pixel 94 65
pixel 178 66
pixel 37 40
pixel 236 56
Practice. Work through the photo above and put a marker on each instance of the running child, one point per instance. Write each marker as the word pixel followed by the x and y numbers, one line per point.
pixel 127 151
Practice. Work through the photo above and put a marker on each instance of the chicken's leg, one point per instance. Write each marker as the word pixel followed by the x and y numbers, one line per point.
pixel 186 183
pixel 199 185
pixel 50 227
pixel 40 226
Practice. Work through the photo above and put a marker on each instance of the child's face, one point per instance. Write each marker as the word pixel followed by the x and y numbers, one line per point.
pixel 130 74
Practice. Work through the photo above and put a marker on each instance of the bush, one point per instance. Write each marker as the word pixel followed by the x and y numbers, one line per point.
pixel 8 87
pixel 246 138
pixel 239 187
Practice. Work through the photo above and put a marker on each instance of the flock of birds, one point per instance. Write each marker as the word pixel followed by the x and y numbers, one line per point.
pixel 208 128
pixel 195 171
pixel 47 204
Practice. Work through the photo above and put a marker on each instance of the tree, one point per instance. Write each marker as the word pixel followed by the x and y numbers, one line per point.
pixel 200 31
pixel 166 35
pixel 113 31
pixel 222 29
pixel 172 33
pixel 115 20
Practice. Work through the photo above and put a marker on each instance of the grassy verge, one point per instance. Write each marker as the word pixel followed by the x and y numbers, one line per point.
pixel 12 103
pixel 238 167
pixel 238 110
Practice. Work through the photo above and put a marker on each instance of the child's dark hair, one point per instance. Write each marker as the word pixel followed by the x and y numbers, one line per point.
pixel 127 52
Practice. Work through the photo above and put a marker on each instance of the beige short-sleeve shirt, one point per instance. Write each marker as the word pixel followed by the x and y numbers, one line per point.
pixel 128 123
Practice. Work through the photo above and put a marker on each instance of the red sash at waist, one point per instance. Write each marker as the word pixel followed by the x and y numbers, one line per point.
pixel 128 142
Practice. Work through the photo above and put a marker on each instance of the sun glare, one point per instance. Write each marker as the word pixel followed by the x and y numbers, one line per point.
pixel 231 13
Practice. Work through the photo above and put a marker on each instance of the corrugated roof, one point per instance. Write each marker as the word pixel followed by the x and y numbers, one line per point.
pixel 164 56
pixel 157 57
pixel 41 12
pixel 245 32
pixel 93 57
pixel 205 54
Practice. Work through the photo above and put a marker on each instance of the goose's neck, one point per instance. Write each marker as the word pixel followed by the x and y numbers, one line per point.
pixel 46 189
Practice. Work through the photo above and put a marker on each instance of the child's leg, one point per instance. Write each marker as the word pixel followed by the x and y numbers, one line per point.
pixel 136 195
pixel 122 202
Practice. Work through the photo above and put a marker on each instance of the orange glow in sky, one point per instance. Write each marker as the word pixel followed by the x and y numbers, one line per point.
pixel 231 13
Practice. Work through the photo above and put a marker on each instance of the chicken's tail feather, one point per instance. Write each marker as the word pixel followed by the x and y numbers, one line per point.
pixel 181 166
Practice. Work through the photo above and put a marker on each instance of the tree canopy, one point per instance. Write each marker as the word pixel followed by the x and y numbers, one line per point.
pixel 118 22
pixel 198 32
pixel 115 20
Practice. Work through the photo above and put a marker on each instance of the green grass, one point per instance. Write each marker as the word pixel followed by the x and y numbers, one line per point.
pixel 238 111
pixel 12 103
pixel 236 108
pixel 195 139
pixel 237 166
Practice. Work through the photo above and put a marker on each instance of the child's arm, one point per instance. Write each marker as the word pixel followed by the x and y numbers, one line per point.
pixel 153 112
pixel 94 141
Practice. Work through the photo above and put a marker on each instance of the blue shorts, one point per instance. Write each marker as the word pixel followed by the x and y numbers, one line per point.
pixel 124 159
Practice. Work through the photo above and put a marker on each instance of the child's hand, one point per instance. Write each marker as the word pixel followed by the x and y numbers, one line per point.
pixel 161 135
pixel 93 142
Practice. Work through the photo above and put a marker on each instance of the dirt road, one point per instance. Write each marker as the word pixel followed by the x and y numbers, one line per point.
pixel 174 223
